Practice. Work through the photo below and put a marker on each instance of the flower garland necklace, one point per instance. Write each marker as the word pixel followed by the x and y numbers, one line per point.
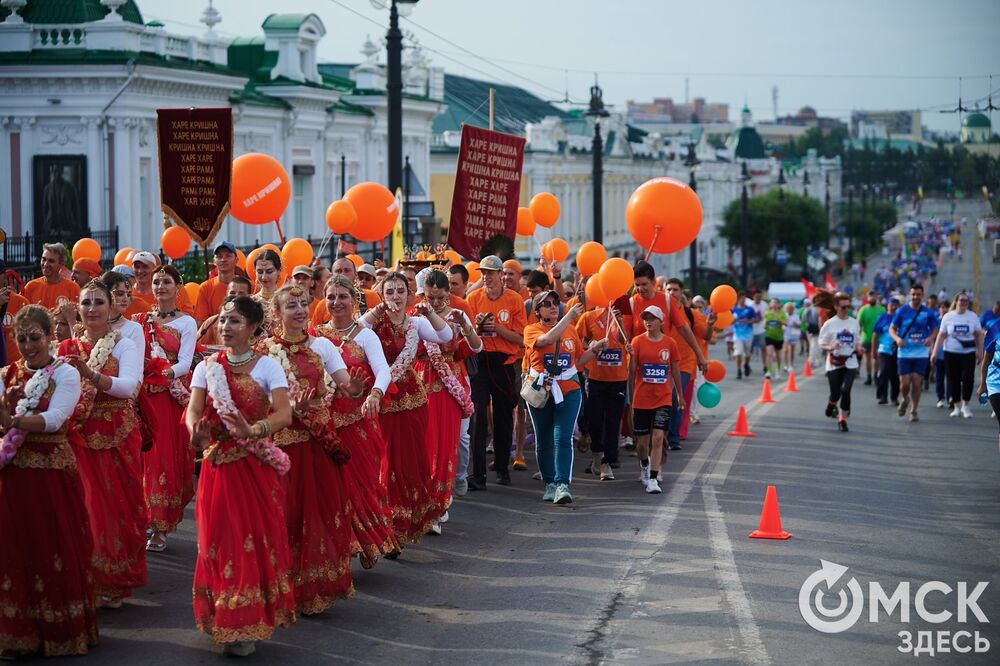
pixel 448 378
pixel 34 389
pixel 407 355
pixel 178 391
pixel 263 448
pixel 101 351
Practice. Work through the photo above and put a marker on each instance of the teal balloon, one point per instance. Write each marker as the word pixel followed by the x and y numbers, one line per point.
pixel 709 395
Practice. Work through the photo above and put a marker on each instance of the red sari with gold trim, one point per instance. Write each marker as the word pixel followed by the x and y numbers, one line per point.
pixel 404 425
pixel 168 467
pixel 366 489
pixel 105 436
pixel 317 509
pixel 47 594
pixel 242 579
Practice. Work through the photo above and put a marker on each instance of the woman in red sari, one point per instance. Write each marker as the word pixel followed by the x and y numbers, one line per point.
pixel 105 435
pixel 242 584
pixel 46 584
pixel 404 413
pixel 168 467
pixel 317 509
pixel 442 372
pixel 358 425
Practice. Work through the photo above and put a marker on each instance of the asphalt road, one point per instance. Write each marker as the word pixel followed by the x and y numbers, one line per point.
pixel 624 577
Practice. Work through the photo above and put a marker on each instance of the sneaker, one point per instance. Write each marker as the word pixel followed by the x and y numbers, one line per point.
pixel 489 447
pixel 643 475
pixel 901 410
pixel 966 412
pixel 675 447
pixel 435 528
pixel 503 479
pixel 550 492
pixel 842 425
pixel 739 374
pixel 562 495
pixel 653 487
pixel 460 488
pixel 606 473
pixel 746 369
pixel 883 402
pixel 831 410
pixel 444 518
pixel 537 476
pixel 476 483
pixel 767 375
pixel 914 417
pixel 955 412
pixel 520 464
pixel 239 649
pixel 940 404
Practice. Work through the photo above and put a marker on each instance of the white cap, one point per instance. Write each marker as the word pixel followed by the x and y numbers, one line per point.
pixel 145 258
pixel 655 311
pixel 367 269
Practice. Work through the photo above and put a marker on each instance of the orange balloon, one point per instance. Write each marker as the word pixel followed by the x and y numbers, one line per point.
pixel 475 275
pixel 545 209
pixel 723 298
pixel 260 189
pixel 594 293
pixel 123 255
pixel 525 222
pixel 723 319
pixel 453 257
pixel 715 372
pixel 297 252
pixel 192 289
pixel 341 217
pixel 175 242
pixel 559 249
pixel 546 251
pixel 356 260
pixel 589 258
pixel 270 246
pixel 667 205
pixel 251 260
pixel 616 277
pixel 86 248
pixel 376 209
pixel 241 260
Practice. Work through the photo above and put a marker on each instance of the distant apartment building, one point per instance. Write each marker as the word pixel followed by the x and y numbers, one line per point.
pixel 808 117
pixel 903 125
pixel 665 110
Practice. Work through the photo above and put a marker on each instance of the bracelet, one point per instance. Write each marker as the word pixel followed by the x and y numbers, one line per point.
pixel 376 393
pixel 265 428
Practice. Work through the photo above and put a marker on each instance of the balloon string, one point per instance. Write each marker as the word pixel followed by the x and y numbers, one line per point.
pixel 322 246
pixel 656 236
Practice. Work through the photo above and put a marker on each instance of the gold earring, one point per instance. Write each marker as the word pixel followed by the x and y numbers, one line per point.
pixel 253 340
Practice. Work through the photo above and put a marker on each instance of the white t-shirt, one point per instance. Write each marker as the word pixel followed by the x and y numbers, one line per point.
pixel 847 334
pixel 960 327
pixel 793 328
pixel 267 373
pixel 761 308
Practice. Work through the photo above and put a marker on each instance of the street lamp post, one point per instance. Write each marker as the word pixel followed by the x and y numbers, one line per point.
pixel 597 112
pixel 394 86
pixel 864 219
pixel 850 224
pixel 744 226
pixel 826 204
pixel 691 162
pixel 781 183
pixel 805 183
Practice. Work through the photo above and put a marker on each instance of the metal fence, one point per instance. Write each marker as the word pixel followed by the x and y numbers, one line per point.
pixel 22 253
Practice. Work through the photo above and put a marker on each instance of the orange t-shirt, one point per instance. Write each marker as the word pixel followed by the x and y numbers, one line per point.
pixel 138 306
pixel 652 371
pixel 210 298
pixel 611 365
pixel 321 314
pixel 40 292
pixel 16 302
pixel 688 360
pixel 508 311
pixel 673 312
pixel 570 349
pixel 460 303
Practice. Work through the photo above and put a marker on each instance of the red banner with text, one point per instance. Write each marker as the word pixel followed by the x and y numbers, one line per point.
pixel 487 189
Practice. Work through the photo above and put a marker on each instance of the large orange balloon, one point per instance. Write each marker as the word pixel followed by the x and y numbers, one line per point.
pixel 270 246
pixel 241 260
pixel 545 209
pixel 715 372
pixel 175 242
pixel 475 275
pixel 723 298
pixel 666 204
pixel 122 256
pixel 297 252
pixel 251 260
pixel 86 248
pixel 356 260
pixel 376 208
pixel 724 319
pixel 453 257
pixel 616 277
pixel 594 293
pixel 260 189
pixel 558 249
pixel 589 258
pixel 341 217
pixel 525 222
pixel 192 289
pixel 546 251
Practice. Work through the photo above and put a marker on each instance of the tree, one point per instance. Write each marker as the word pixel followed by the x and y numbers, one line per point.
pixel 793 221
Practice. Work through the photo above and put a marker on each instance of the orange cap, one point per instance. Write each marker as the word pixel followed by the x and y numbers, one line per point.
pixel 514 264
pixel 88 266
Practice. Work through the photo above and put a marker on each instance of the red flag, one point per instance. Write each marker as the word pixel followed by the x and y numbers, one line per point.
pixel 343 247
pixel 830 284
pixel 811 289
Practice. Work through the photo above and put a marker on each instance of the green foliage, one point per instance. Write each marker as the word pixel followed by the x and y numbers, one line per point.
pixel 192 267
pixel 828 144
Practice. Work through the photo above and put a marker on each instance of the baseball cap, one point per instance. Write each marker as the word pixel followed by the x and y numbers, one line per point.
pixel 124 270
pixel 541 297
pixel 653 310
pixel 513 264
pixel 224 245
pixel 88 266
pixel 491 263
pixel 367 269
pixel 303 270
pixel 698 301
pixel 145 258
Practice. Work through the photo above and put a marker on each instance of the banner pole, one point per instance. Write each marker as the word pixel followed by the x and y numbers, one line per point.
pixel 493 94
pixel 281 236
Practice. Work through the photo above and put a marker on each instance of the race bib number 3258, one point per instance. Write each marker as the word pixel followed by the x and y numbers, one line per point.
pixel 654 373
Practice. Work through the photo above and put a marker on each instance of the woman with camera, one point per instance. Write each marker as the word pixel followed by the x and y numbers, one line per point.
pixel 840 338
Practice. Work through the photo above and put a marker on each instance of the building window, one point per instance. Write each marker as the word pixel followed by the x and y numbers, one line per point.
pixel 301 203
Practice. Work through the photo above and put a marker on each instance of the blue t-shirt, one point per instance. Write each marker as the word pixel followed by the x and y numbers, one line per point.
pixel 993 358
pixel 885 341
pixel 743 330
pixel 988 318
pixel 923 324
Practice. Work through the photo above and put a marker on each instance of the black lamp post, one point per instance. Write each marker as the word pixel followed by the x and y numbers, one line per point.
pixel 850 224
pixel 394 86
pixel 744 226
pixel 781 183
pixel 826 203
pixel 597 112
pixel 805 183
pixel 864 219
pixel 691 161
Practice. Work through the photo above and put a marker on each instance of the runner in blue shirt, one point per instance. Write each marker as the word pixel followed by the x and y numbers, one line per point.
pixel 744 316
pixel 913 328
pixel 883 348
pixel 990 316
pixel 989 382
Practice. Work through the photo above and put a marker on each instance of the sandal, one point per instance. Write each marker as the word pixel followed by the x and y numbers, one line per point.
pixel 367 561
pixel 157 542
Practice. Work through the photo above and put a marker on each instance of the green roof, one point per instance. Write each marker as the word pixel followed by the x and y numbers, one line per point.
pixel 341 106
pixel 63 57
pixel 249 95
pixel 286 21
pixel 976 119
pixel 749 145
pixel 468 103
pixel 72 11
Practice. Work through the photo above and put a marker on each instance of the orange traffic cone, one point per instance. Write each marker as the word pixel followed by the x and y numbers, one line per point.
pixel 790 387
pixel 765 393
pixel 770 518
pixel 808 372
pixel 742 428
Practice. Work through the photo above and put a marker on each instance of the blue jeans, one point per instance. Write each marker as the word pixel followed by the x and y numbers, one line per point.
pixel 553 426
pixel 673 435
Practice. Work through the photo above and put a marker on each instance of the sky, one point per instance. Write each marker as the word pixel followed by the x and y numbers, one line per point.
pixel 835 57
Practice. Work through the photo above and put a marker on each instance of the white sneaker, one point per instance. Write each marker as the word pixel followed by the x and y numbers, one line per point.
pixel 435 528
pixel 606 473
pixel 940 404
pixel 955 412
pixel 643 475
pixel 624 442
pixel 443 518
pixel 966 412
pixel 653 487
